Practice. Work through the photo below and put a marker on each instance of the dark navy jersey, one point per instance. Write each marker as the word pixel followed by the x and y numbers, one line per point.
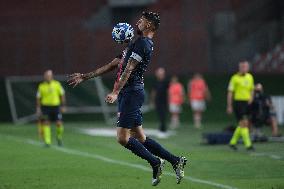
pixel 161 89
pixel 141 50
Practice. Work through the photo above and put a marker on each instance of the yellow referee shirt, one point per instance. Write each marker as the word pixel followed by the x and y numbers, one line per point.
pixel 49 93
pixel 242 86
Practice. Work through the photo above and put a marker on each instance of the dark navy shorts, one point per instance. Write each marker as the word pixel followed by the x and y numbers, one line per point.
pixel 51 113
pixel 241 109
pixel 129 104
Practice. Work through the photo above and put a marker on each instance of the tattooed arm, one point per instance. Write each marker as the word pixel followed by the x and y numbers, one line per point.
pixel 102 70
pixel 76 78
pixel 131 65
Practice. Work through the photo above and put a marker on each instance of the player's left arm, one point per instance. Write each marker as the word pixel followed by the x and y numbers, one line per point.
pixel 207 93
pixel 188 90
pixel 61 92
pixel 252 90
pixel 63 103
pixel 77 78
pixel 131 65
pixel 251 97
pixel 102 70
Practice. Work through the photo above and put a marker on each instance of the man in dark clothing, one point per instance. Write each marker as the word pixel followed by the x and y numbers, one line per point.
pixel 262 111
pixel 160 98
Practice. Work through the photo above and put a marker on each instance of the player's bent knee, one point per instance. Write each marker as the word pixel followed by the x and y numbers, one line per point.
pixel 122 140
pixel 141 138
pixel 133 134
pixel 59 123
pixel 45 122
pixel 138 133
pixel 244 123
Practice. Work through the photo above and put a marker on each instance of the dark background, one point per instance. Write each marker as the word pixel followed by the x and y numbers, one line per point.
pixel 195 36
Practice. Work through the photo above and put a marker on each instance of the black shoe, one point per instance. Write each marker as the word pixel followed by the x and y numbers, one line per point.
pixel 251 148
pixel 59 142
pixel 233 147
pixel 179 169
pixel 157 172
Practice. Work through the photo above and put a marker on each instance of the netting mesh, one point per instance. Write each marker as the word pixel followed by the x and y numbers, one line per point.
pixel 87 97
pixel 24 97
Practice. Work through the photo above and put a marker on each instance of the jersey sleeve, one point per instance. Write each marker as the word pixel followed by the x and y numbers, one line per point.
pixel 231 86
pixel 139 50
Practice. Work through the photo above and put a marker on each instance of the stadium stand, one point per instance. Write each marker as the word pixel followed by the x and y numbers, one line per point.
pixel 36 35
pixel 271 61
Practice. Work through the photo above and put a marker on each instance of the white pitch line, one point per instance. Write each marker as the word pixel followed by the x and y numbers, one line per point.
pixel 109 160
pixel 272 156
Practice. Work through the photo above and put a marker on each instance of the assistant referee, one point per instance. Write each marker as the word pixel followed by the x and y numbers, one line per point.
pixel 50 104
pixel 240 94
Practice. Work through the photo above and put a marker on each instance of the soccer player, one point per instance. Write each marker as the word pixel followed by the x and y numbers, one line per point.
pixel 176 97
pixel 198 92
pixel 129 90
pixel 50 103
pixel 239 96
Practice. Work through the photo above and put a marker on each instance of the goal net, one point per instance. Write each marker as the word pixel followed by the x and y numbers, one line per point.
pixel 88 97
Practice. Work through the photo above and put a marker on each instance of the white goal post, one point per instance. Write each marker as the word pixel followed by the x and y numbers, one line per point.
pixel 21 92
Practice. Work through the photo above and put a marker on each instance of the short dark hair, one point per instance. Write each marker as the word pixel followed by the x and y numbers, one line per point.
pixel 152 17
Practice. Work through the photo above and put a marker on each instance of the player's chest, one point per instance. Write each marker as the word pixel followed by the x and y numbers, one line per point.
pixel 48 89
pixel 244 82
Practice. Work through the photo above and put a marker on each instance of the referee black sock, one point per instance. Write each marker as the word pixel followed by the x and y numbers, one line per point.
pixel 156 149
pixel 138 149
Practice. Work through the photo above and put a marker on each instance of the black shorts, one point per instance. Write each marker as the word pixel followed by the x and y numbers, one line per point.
pixel 129 105
pixel 241 110
pixel 51 113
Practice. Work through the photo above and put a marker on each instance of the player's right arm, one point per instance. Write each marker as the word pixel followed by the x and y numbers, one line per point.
pixel 77 78
pixel 231 88
pixel 229 102
pixel 38 96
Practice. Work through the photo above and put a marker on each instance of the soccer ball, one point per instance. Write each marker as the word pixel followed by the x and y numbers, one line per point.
pixel 122 32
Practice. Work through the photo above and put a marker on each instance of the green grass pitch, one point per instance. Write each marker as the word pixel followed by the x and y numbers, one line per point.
pixel 88 162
